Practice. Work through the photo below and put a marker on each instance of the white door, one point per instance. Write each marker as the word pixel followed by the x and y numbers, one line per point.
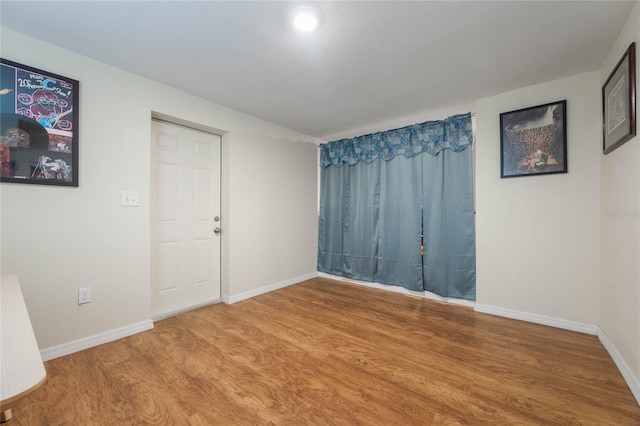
pixel 185 212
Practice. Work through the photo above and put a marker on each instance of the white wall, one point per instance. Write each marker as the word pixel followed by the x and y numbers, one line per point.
pixel 59 239
pixel 538 237
pixel 273 197
pixel 620 227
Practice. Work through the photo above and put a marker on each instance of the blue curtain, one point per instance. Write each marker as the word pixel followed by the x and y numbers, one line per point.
pixel 378 191
pixel 399 243
pixel 361 206
pixel 370 218
pixel 449 262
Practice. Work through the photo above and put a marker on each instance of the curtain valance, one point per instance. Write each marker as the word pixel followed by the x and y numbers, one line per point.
pixel 432 137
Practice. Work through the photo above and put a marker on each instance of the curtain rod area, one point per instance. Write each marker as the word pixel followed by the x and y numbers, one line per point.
pixel 472 114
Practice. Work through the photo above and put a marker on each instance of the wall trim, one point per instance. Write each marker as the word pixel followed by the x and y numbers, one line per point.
pixel 398 289
pixel 537 319
pixel 632 381
pixel 94 340
pixel 268 288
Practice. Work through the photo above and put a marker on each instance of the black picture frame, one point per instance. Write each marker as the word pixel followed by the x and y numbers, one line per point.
pixel 38 126
pixel 533 141
pixel 619 103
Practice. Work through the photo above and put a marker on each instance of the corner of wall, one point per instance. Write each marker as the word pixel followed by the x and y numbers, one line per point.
pixel 619 301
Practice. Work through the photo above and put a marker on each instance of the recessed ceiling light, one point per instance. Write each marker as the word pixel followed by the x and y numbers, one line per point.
pixel 305 19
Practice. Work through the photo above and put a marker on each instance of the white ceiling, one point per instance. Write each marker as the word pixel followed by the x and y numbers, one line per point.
pixel 368 62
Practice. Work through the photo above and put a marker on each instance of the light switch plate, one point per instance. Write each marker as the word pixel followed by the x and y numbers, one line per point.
pixel 130 198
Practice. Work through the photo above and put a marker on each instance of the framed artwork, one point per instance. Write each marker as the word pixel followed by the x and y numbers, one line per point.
pixel 533 141
pixel 619 102
pixel 38 126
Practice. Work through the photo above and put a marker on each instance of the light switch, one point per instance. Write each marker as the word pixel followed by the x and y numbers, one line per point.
pixel 130 198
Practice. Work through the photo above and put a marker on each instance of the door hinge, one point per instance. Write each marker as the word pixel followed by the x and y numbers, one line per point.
pixel 421 250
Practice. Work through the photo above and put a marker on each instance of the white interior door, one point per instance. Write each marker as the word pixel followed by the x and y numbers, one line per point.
pixel 185 212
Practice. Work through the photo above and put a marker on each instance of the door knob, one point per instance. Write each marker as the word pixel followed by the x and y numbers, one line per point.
pixel 217 230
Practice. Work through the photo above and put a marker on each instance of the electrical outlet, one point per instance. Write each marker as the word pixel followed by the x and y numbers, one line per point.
pixel 84 295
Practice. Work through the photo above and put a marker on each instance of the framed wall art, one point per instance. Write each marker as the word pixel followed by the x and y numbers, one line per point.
pixel 38 126
pixel 619 103
pixel 533 141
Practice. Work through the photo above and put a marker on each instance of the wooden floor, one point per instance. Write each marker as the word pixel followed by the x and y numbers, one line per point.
pixel 326 353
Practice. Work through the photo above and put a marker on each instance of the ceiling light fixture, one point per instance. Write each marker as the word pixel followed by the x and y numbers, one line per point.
pixel 305 19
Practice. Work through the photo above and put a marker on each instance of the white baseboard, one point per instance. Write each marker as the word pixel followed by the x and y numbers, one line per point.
pixel 95 340
pixel 398 289
pixel 266 289
pixel 632 381
pixel 537 319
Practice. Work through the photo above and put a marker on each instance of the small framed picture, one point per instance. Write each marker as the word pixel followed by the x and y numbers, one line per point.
pixel 38 126
pixel 619 103
pixel 533 141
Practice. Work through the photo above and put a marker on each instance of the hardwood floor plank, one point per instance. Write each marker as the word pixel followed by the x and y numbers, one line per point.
pixel 329 353
pixel 283 363
pixel 394 369
pixel 325 347
pixel 533 363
